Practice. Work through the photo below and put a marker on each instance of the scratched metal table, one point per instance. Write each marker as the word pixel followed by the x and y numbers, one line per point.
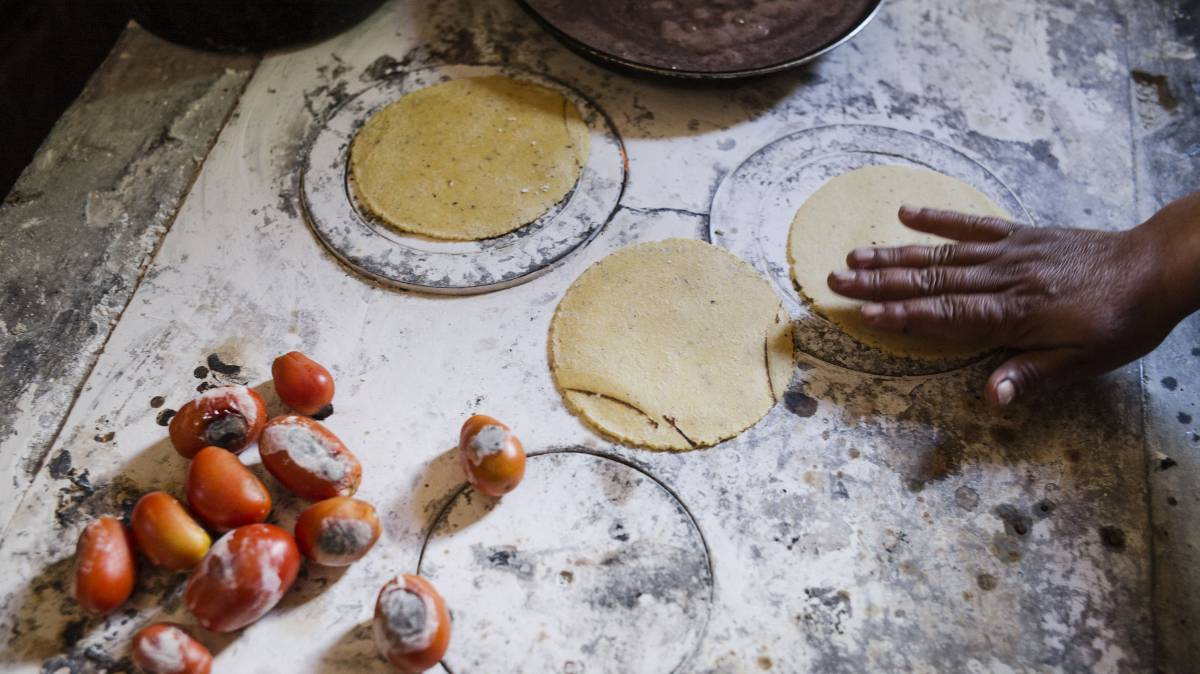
pixel 869 523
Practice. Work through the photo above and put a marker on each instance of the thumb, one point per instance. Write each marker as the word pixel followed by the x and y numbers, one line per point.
pixel 1029 370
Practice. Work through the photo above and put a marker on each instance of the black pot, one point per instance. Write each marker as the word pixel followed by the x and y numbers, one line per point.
pixel 248 25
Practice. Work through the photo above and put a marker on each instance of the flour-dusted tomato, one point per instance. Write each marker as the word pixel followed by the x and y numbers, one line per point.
pixel 412 626
pixel 491 456
pixel 302 383
pixel 166 533
pixel 308 459
pixel 167 648
pixel 245 574
pixel 224 493
pixel 104 566
pixel 337 531
pixel 230 417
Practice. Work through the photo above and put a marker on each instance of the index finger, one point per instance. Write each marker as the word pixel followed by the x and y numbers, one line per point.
pixel 955 225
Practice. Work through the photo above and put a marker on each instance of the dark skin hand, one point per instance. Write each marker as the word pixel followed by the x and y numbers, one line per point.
pixel 1073 303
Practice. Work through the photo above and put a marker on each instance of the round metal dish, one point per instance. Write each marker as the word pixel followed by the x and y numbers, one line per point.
pixel 416 262
pixel 753 209
pixel 633 36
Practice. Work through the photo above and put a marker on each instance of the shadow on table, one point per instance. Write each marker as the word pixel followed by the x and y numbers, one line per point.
pixel 440 486
pixel 354 652
pixel 642 107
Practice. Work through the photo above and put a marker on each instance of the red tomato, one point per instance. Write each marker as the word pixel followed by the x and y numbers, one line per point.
pixel 245 574
pixel 337 531
pixel 230 417
pixel 223 492
pixel 166 533
pixel 167 648
pixel 308 459
pixel 302 383
pixel 104 566
pixel 491 456
pixel 412 626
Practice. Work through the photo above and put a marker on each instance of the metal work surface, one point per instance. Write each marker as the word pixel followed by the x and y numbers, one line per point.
pixel 868 523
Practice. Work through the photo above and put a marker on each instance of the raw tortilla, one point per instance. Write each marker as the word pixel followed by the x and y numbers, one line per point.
pixel 469 159
pixel 675 344
pixel 859 209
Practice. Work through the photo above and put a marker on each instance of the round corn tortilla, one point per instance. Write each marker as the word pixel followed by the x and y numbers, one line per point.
pixel 469 159
pixel 674 344
pixel 858 209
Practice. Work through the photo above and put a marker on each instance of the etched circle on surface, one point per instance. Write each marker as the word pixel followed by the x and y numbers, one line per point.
pixel 421 263
pixel 753 209
pixel 590 565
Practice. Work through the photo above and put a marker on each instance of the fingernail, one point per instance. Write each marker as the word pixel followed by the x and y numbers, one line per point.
pixel 843 276
pixel 1005 392
pixel 908 211
pixel 863 255
pixel 872 310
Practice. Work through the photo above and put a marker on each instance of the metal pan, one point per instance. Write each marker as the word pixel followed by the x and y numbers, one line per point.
pixel 703 39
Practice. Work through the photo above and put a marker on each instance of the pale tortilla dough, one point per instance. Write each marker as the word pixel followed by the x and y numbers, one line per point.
pixel 674 344
pixel 858 209
pixel 470 158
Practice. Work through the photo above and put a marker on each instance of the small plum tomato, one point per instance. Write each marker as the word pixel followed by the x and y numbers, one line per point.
pixel 337 531
pixel 302 383
pixel 167 648
pixel 491 456
pixel 412 626
pixel 229 417
pixel 104 566
pixel 308 459
pixel 166 533
pixel 245 574
pixel 223 493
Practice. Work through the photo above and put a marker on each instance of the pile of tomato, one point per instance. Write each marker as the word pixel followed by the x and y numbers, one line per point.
pixel 241 576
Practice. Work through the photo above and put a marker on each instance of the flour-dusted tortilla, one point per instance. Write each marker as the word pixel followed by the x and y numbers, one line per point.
pixel 674 344
pixel 858 209
pixel 469 159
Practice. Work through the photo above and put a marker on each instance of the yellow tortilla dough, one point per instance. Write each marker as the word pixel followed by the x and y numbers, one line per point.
pixel 858 209
pixel 675 344
pixel 469 159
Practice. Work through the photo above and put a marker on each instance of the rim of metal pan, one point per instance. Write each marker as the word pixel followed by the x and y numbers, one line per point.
pixel 612 60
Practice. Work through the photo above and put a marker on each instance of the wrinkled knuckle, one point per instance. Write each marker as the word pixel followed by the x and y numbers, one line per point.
pixel 973 221
pixel 942 254
pixel 869 281
pixel 975 278
pixel 937 280
pixel 948 309
pixel 982 312
pixel 914 254
pixel 996 313
pixel 971 311
pixel 922 281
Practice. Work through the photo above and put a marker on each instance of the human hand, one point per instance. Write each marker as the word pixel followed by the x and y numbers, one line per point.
pixel 1075 303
